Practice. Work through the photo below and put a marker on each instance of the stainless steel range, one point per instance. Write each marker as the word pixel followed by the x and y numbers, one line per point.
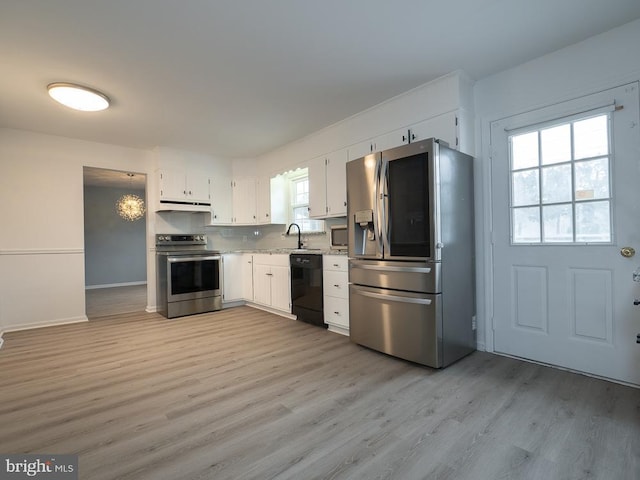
pixel 188 275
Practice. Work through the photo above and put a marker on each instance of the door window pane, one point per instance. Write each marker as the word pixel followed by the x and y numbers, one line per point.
pixel 592 179
pixel 558 223
pixel 526 223
pixel 555 185
pixel 592 222
pixel 524 151
pixel 591 137
pixel 556 144
pixel 526 188
pixel 560 193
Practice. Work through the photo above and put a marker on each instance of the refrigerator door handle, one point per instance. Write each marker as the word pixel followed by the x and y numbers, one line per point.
pixel 384 207
pixel 395 298
pixel 378 220
pixel 392 269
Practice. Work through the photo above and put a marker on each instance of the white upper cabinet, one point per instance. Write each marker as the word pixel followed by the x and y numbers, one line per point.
pixel 244 201
pixel 328 185
pixel 221 201
pixel 317 188
pixel 360 149
pixel 181 186
pixel 271 204
pixel 336 169
pixel 443 127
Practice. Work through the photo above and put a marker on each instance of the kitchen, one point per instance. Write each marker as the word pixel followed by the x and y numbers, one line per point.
pixel 43 258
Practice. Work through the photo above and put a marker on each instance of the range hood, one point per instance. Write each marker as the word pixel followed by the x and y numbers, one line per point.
pixel 167 206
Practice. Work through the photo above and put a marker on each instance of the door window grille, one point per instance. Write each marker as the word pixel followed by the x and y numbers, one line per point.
pixel 561 182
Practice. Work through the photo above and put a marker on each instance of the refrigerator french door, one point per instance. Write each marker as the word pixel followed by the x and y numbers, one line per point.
pixel 411 252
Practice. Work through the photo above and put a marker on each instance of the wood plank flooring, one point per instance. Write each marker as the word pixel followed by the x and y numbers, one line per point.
pixel 244 394
pixel 101 302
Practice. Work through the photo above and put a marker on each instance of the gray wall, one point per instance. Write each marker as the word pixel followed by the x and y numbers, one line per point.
pixel 114 248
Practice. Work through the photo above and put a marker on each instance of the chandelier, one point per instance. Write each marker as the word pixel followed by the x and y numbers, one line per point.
pixel 130 206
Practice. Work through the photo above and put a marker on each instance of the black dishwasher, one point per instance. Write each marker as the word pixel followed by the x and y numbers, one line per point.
pixel 306 288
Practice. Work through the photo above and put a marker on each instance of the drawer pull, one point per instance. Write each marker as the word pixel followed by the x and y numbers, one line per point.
pixel 337 286
pixel 337 313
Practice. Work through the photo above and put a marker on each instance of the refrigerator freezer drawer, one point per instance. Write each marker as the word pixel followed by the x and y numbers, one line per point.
pixel 403 324
pixel 420 277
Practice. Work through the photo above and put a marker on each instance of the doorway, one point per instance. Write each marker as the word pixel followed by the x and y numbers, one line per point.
pixel 114 243
pixel 564 188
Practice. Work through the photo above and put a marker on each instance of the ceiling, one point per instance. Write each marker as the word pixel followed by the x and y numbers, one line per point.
pixel 240 78
pixel 100 177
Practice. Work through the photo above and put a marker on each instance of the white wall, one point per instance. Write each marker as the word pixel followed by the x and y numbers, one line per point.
pixel 598 63
pixel 42 236
pixel 445 94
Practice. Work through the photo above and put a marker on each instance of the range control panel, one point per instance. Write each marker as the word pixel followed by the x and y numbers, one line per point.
pixel 181 239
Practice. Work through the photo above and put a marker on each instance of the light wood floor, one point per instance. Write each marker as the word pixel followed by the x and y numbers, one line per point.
pixel 243 394
pixel 101 302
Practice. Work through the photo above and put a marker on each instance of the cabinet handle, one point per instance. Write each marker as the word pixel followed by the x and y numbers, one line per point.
pixel 267 215
pixel 337 286
pixel 337 313
pixel 336 265
pixel 269 274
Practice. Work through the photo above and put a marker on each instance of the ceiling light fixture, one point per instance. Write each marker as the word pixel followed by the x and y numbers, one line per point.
pixel 78 97
pixel 129 206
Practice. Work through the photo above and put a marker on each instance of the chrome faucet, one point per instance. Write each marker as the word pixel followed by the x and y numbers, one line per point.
pixel 299 240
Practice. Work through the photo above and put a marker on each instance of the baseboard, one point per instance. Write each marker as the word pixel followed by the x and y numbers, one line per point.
pixel 151 309
pixel 1 339
pixel 113 285
pixel 272 310
pixel 239 303
pixel 53 323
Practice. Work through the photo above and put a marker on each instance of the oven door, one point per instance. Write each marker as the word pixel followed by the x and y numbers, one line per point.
pixel 192 276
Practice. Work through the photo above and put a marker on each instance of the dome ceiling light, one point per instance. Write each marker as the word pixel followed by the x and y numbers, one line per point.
pixel 78 97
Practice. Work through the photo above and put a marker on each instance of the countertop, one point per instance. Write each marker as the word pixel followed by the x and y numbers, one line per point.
pixel 288 251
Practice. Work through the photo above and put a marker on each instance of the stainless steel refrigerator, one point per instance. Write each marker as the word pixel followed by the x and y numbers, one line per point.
pixel 411 252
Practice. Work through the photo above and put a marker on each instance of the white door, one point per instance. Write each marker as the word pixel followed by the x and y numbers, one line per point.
pixel 565 206
pixel 280 288
pixel 232 281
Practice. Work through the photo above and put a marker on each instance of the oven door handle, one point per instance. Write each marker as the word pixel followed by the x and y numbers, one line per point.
pixel 192 259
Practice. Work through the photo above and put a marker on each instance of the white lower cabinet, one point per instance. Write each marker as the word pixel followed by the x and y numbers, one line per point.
pixel 335 286
pixel 237 277
pixel 272 281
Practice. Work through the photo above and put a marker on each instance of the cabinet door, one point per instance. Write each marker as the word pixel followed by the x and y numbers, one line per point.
pixel 244 201
pixel 262 284
pixel 336 311
pixel 337 184
pixel 317 188
pixel 281 288
pixel 358 150
pixel 221 195
pixel 392 139
pixel 172 185
pixel 198 187
pixel 232 281
pixel 247 276
pixel 443 127
pixel 335 284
